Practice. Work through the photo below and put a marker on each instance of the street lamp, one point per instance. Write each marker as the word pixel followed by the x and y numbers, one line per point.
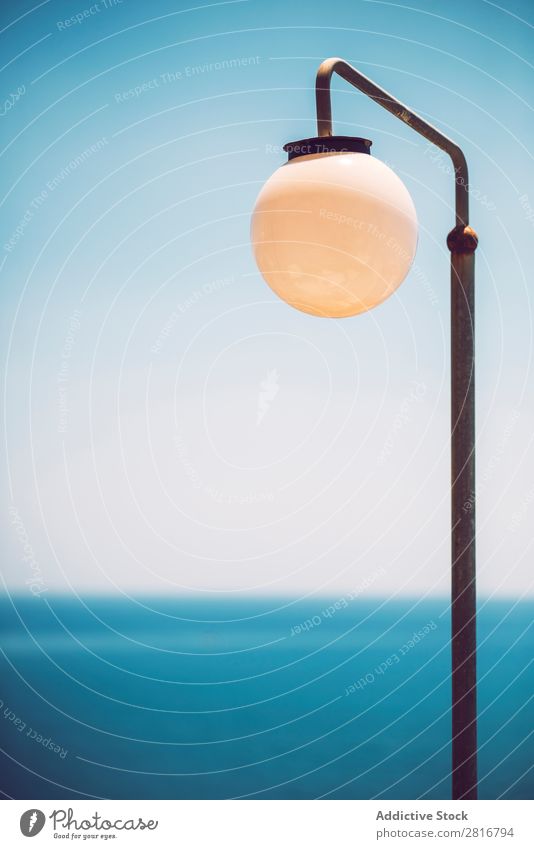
pixel 334 233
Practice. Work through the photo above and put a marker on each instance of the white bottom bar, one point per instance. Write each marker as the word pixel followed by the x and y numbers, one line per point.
pixel 269 824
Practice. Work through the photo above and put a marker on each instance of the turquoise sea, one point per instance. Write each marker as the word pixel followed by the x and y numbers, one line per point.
pixel 275 698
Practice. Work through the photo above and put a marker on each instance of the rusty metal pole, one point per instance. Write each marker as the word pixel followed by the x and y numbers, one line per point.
pixel 462 242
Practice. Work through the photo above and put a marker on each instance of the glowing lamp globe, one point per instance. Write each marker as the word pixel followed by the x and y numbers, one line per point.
pixel 334 230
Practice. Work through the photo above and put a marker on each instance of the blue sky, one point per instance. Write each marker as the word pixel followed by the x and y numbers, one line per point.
pixel 171 426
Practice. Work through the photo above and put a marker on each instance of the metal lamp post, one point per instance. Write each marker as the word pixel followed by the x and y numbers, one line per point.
pixel 334 293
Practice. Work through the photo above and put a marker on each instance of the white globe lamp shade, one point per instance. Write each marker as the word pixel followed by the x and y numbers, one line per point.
pixel 334 231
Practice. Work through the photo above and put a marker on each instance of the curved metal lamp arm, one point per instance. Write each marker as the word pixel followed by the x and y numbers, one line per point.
pixel 383 98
